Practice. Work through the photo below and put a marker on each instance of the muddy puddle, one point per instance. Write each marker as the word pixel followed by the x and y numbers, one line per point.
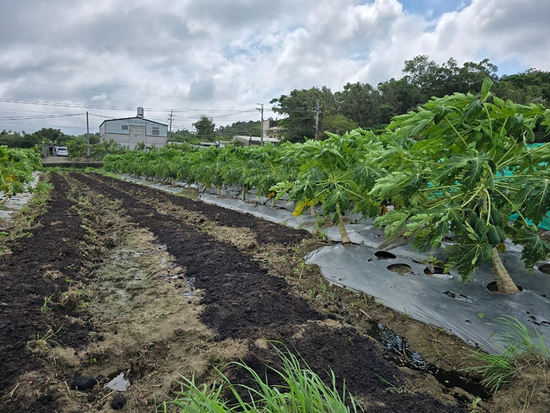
pixel 400 352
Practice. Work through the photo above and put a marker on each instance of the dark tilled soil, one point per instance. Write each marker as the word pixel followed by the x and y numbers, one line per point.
pixel 246 297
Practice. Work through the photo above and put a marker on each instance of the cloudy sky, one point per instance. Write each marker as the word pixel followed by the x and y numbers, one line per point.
pixel 222 58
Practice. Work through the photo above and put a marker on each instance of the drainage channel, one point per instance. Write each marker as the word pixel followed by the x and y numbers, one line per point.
pixel 399 352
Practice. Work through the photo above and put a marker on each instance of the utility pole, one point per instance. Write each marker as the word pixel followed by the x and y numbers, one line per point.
pixel 87 136
pixel 317 120
pixel 261 109
pixel 170 120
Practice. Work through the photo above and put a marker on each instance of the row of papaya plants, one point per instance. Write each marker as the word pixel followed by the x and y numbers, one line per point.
pixel 16 168
pixel 458 167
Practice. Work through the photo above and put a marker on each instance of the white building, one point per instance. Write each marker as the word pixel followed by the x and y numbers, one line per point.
pixel 131 131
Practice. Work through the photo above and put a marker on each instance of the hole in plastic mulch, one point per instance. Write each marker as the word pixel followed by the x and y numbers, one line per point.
pixel 492 287
pixel 400 269
pixel 384 255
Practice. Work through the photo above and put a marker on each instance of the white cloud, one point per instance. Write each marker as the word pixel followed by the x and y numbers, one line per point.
pixel 200 55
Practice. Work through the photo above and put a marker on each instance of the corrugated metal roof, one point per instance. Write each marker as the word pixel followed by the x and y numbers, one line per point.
pixel 134 117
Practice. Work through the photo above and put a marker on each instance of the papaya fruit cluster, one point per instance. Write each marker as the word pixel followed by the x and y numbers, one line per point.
pixel 478 222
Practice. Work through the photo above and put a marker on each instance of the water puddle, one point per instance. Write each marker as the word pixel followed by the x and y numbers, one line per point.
pixel 399 352
pixel 118 383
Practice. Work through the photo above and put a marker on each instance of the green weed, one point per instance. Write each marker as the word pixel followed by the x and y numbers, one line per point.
pixel 45 308
pixel 299 270
pixel 519 349
pixel 392 388
pixel 43 344
pixel 302 391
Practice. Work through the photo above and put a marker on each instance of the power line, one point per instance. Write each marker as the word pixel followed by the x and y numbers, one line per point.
pixel 104 107
pixel 39 117
pixel 44 126
pixel 119 93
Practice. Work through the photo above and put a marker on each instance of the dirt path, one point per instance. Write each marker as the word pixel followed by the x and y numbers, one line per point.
pixel 127 279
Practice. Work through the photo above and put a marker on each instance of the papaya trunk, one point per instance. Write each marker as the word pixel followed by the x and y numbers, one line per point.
pixel 245 190
pixel 505 284
pixel 219 189
pixel 313 212
pixel 274 202
pixel 342 228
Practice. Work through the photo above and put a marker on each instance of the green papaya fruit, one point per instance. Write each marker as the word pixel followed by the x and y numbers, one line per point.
pixel 335 217
pixel 493 236
pixel 480 228
pixel 495 217
pixel 472 218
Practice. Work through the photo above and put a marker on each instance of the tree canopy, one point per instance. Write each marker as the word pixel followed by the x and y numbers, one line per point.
pixel 371 107
pixel 205 128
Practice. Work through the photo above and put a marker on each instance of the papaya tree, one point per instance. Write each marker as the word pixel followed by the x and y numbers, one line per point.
pixel 334 174
pixel 266 169
pixel 16 168
pixel 206 168
pixel 459 167
pixel 237 168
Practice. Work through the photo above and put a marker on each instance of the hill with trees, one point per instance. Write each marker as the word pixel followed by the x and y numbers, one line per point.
pixel 372 107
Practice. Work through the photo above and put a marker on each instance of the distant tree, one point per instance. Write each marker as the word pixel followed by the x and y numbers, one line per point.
pixel 51 136
pixel 205 129
pixel 182 136
pixel 433 80
pixel 399 95
pixel 77 147
pixel 18 139
pixel 250 128
pixel 360 103
pixel 94 138
pixel 387 112
pixel 425 74
pixel 301 110
pixel 338 124
pixel 531 86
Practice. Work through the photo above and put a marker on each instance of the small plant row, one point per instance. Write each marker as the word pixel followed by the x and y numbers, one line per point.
pixel 460 165
pixel 16 168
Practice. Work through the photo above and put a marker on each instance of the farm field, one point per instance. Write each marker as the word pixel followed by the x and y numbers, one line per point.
pixel 111 277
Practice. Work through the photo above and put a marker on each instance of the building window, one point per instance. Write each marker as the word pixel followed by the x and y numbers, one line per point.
pixel 137 136
pixel 124 127
pixel 156 131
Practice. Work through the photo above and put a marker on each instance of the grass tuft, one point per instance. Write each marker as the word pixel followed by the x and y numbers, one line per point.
pixel 520 348
pixel 302 391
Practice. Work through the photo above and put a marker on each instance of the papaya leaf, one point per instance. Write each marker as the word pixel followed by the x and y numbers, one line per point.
pixel 486 88
pixel 468 256
pixel 473 110
pixel 534 247
pixel 394 222
pixel 473 172
pixel 533 196
pixel 429 237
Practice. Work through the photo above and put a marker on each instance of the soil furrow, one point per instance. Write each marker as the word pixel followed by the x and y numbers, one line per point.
pixel 37 270
pixel 153 285
pixel 242 300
